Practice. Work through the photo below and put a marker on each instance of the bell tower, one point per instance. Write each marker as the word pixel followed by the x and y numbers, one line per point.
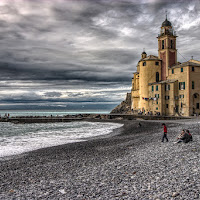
pixel 167 48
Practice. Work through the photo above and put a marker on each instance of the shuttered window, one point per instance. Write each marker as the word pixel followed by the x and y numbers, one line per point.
pixel 181 85
pixel 166 97
pixel 192 84
pixel 167 87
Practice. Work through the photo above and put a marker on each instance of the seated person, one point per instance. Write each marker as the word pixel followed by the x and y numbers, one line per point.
pixel 181 137
pixel 190 135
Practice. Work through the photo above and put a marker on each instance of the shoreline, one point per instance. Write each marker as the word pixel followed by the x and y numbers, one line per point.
pixel 123 166
pixel 114 132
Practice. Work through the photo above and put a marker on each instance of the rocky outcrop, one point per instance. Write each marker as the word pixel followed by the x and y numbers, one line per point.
pixel 124 107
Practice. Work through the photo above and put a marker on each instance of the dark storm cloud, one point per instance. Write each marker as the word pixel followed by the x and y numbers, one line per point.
pixel 68 50
pixel 55 97
pixel 20 72
pixel 52 94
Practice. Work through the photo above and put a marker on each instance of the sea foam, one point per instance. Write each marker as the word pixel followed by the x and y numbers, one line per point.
pixel 20 138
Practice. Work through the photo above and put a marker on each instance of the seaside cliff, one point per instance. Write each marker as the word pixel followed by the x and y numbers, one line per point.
pixel 124 107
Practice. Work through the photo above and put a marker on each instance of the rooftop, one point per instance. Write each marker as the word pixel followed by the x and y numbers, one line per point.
pixel 165 81
pixel 151 57
pixel 193 63
pixel 166 23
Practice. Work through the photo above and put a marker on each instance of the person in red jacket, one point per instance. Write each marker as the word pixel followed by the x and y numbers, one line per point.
pixel 165 132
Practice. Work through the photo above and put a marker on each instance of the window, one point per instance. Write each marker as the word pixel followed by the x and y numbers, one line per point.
pixel 181 69
pixel 181 85
pixel 167 87
pixel 181 96
pixel 157 76
pixel 157 102
pixel 192 69
pixel 197 106
pixel 157 63
pixel 192 84
pixel 167 97
pixel 152 88
pixel 181 104
pixel 172 71
pixel 156 87
pixel 166 105
pixel 195 96
pixel 156 108
pixel 163 44
pixel 144 63
pixel 157 95
pixel 176 97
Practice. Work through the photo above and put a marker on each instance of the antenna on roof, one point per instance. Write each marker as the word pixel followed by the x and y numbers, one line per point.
pixel 166 13
pixel 181 55
pixel 192 57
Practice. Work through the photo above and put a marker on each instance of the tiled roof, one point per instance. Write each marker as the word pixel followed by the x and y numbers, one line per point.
pixel 165 81
pixel 151 57
pixel 188 63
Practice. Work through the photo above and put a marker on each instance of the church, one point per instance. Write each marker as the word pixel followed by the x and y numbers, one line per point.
pixel 163 86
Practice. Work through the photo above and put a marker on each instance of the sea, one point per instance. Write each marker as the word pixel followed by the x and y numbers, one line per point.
pixel 16 139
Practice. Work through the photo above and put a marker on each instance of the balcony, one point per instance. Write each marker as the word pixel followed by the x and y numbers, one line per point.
pixel 173 33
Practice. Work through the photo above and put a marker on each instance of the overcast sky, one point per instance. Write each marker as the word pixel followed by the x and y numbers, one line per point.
pixel 62 52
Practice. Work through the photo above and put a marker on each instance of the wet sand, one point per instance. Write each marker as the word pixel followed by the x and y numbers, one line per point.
pixel 132 163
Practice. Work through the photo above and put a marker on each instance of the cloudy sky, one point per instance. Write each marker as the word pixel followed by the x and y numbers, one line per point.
pixel 76 53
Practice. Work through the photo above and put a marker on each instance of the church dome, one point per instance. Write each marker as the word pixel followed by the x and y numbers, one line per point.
pixel 166 23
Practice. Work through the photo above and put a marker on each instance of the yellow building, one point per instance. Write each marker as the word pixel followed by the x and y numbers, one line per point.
pixel 163 86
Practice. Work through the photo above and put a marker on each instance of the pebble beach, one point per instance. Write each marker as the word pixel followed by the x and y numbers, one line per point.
pixel 131 163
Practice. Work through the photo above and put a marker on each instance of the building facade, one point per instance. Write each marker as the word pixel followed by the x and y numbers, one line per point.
pixel 163 86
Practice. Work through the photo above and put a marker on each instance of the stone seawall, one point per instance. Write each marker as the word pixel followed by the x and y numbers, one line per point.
pixel 39 120
pixel 87 117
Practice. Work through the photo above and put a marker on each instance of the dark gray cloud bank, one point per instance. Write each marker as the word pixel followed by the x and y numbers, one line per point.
pixel 75 53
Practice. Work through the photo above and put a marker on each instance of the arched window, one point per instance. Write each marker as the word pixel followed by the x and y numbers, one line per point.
pixel 157 76
pixel 144 63
pixel 163 44
pixel 171 44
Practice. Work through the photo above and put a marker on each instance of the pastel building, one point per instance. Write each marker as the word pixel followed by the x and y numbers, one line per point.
pixel 161 85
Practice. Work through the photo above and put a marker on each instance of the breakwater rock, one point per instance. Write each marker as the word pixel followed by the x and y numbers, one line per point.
pixel 78 117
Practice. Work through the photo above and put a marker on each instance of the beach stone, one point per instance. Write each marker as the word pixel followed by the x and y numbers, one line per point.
pixel 104 168
pixel 62 191
pixel 175 194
